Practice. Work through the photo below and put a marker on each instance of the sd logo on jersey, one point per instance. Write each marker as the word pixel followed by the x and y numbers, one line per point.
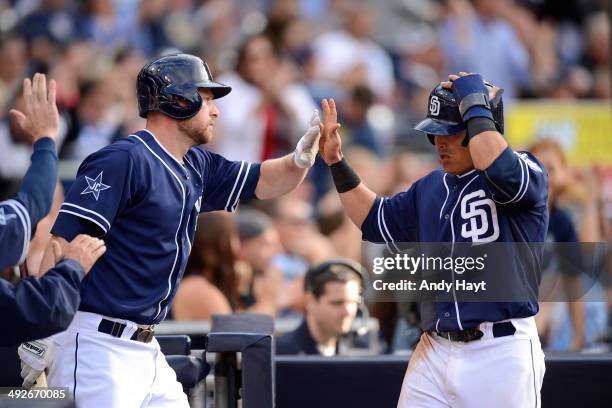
pixel 480 215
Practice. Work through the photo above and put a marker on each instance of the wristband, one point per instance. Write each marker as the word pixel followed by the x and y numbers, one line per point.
pixel 478 125
pixel 345 178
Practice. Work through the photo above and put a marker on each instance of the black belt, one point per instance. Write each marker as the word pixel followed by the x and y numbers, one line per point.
pixel 500 329
pixel 115 329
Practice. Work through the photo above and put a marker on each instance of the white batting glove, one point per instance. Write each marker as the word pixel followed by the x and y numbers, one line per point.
pixel 35 357
pixel 308 146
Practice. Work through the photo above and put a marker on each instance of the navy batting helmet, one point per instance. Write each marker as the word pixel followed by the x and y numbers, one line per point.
pixel 444 118
pixel 164 82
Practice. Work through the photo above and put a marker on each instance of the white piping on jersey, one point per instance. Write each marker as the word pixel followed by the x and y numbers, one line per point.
pixel 162 146
pixel 229 199
pixel 246 175
pixel 515 198
pixel 447 194
pixel 453 248
pixel 193 167
pixel 527 182
pixel 187 234
pixel 90 211
pixel 379 224
pixel 24 218
pixel 85 217
pixel 382 217
pixel 466 174
pixel 177 228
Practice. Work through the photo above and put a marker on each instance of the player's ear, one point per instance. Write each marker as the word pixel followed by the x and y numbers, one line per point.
pixel 309 301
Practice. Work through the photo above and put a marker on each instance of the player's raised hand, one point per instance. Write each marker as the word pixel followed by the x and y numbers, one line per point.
pixel 307 147
pixel 330 146
pixel 493 90
pixel 40 117
pixel 85 250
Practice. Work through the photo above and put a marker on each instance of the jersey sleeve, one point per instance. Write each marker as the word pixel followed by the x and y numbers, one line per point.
pixel 226 182
pixel 101 188
pixel 15 228
pixel 517 178
pixel 392 220
pixel 35 308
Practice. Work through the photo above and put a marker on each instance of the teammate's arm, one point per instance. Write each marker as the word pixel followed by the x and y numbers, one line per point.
pixel 357 199
pixel 280 176
pixel 39 121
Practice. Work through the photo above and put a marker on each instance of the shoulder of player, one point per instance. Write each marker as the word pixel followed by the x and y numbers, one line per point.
pixel 433 178
pixel 120 150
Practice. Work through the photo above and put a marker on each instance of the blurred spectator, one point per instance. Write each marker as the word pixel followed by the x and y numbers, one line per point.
pixel 475 38
pixel 13 66
pixel 357 129
pixel 259 244
pixel 90 127
pixel 267 110
pixel 211 282
pixel 575 263
pixel 333 295
pixel 350 56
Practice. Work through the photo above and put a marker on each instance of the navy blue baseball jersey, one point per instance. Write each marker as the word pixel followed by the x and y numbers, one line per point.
pixel 145 204
pixel 504 203
pixel 15 231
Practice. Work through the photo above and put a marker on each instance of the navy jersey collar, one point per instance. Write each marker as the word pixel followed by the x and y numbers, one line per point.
pixel 152 142
pixel 460 179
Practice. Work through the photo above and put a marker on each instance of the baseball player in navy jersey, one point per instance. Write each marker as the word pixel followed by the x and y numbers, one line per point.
pixel 39 307
pixel 471 354
pixel 143 194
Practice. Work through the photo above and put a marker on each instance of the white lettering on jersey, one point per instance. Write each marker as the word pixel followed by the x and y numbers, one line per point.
pixel 534 166
pixel 473 210
pixel 94 186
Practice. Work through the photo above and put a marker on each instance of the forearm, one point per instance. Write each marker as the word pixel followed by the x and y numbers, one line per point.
pixel 357 203
pixel 485 147
pixel 36 192
pixel 278 177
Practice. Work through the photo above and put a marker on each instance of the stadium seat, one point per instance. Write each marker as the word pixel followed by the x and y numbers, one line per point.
pixel 174 345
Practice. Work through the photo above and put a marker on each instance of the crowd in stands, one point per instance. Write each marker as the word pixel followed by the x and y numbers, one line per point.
pixel 379 60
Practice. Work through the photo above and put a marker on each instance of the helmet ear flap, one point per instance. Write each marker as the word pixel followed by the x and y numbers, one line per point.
pixel 431 138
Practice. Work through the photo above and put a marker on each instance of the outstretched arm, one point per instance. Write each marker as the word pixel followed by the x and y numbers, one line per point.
pixel 356 198
pixel 280 176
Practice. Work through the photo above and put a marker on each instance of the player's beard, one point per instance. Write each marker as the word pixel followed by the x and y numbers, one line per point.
pixel 199 134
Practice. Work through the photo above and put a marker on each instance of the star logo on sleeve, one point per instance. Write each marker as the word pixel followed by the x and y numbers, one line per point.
pixel 94 186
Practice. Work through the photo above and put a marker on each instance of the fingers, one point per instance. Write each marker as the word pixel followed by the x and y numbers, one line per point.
pixel 18 117
pixel 52 92
pixel 27 92
pixel 98 252
pixel 326 109
pixel 39 88
pixel 57 251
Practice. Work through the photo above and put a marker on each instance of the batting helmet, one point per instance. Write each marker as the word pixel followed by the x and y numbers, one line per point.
pixel 443 116
pixel 164 82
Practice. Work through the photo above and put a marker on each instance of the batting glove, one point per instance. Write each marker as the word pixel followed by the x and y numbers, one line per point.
pixel 35 357
pixel 308 146
pixel 472 96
